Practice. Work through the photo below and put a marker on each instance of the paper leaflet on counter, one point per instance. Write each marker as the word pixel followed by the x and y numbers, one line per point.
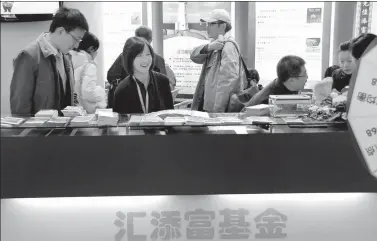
pixel 57 122
pixel 80 121
pixel 179 112
pixel 47 113
pixel 258 110
pixel 11 121
pixel 35 121
pixel 107 118
pixel 72 111
pixel 259 120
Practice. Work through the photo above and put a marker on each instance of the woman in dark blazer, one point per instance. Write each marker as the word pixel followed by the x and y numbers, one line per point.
pixel 143 91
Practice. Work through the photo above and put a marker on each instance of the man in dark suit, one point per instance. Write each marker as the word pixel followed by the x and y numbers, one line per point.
pixel 117 73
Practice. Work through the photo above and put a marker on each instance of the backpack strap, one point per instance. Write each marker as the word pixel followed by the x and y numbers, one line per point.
pixel 248 75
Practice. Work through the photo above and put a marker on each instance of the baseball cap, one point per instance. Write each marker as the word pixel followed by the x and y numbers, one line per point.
pixel 217 15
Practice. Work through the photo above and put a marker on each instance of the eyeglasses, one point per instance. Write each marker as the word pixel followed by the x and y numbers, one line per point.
pixel 75 38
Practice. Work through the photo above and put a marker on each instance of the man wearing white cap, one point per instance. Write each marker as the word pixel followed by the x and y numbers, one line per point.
pixel 221 75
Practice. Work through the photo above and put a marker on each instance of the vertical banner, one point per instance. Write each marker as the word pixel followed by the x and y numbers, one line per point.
pixel 363 18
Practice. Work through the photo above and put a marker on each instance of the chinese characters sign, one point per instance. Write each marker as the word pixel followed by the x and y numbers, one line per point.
pixel 363 18
pixel 200 224
pixel 362 114
pixel 255 217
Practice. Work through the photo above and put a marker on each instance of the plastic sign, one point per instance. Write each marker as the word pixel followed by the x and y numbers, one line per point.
pixel 362 113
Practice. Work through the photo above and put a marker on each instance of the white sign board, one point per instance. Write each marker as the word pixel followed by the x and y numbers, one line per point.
pixel 12 7
pixel 288 217
pixel 297 30
pixel 362 113
pixel 177 52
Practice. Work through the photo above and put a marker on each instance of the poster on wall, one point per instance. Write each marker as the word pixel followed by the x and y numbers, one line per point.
pixel 177 56
pixel 120 20
pixel 297 31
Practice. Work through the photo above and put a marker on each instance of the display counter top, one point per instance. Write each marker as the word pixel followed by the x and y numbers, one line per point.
pixel 155 163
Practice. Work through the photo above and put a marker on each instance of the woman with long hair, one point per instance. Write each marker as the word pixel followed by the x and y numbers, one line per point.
pixel 144 90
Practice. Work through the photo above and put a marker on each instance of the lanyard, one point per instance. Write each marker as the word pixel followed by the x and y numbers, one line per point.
pixel 146 105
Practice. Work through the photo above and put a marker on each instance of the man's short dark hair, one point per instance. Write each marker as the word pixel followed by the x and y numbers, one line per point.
pixel 89 40
pixel 133 47
pixel 254 75
pixel 360 44
pixel 69 19
pixel 289 66
pixel 144 32
pixel 345 46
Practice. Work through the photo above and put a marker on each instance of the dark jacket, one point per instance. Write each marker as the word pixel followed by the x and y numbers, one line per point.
pixel 340 79
pixel 36 83
pixel 117 72
pixel 273 88
pixel 126 98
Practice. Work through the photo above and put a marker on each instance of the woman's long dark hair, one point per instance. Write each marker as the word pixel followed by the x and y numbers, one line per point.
pixel 89 40
pixel 133 47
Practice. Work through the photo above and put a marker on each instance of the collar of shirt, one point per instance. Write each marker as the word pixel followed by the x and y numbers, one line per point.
pixel 47 47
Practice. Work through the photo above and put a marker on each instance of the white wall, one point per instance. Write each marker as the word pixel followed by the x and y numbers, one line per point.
pixel 15 36
pixel 374 18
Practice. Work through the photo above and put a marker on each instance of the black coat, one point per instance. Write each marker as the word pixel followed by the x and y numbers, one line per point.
pixel 126 97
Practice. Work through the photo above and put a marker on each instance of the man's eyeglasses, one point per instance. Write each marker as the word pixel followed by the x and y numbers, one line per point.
pixel 75 38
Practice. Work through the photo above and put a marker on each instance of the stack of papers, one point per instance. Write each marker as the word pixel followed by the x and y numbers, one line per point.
pixel 258 110
pixel 57 122
pixel 135 120
pixel 196 121
pixel 102 110
pixel 175 121
pixel 82 121
pixel 151 121
pixel 73 111
pixel 179 112
pixel 35 122
pixel 11 121
pixel 47 113
pixel 259 120
pixel 230 120
pixel 107 118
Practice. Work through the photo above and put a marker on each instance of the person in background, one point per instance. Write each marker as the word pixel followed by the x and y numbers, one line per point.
pixel 360 44
pixel 143 90
pixel 255 77
pixel 87 92
pixel 220 76
pixel 341 77
pixel 43 74
pixel 117 73
pixel 170 74
pixel 330 70
pixel 291 78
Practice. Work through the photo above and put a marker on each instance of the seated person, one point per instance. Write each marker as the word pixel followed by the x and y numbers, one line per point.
pixel 330 70
pixel 117 73
pixel 341 77
pixel 292 78
pixel 43 74
pixel 87 93
pixel 144 90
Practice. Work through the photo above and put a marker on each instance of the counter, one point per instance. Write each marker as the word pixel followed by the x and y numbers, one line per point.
pixel 124 161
